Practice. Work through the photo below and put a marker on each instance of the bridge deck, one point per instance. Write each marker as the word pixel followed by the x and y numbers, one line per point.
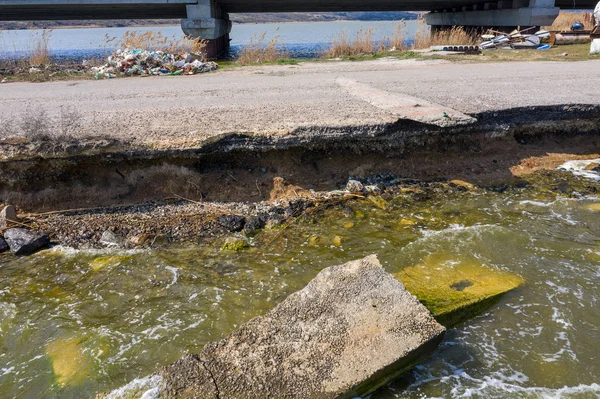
pixel 147 9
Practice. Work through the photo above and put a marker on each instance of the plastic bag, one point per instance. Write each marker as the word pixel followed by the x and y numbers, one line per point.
pixel 595 47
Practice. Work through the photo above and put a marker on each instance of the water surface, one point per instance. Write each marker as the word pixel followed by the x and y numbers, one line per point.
pixel 126 313
pixel 301 40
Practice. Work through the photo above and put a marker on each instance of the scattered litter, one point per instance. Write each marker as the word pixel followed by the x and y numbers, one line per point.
pixel 517 40
pixel 130 62
pixel 577 25
pixel 595 35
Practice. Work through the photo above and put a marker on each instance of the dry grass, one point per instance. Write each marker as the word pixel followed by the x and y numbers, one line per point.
pixel 456 35
pixel 343 46
pixel 38 52
pixel 260 51
pixel 565 20
pixel 156 41
pixel 398 39
pixel 364 44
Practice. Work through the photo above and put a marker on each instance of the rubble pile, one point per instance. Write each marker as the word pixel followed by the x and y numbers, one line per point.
pixel 516 40
pixel 144 63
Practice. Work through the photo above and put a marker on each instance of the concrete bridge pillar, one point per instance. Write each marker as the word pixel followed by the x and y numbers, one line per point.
pixel 499 14
pixel 206 20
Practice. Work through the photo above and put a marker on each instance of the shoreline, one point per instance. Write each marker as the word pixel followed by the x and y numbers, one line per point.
pixel 231 146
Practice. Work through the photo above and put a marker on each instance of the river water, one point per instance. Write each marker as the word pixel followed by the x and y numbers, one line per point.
pixel 300 40
pixel 77 322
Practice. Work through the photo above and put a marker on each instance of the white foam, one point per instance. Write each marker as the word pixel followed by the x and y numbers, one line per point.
pixel 577 167
pixel 143 388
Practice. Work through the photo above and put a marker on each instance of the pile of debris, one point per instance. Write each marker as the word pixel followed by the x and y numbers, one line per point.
pixel 145 63
pixel 595 35
pixel 517 40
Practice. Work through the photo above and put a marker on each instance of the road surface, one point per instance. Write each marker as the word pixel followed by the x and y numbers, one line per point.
pixel 186 110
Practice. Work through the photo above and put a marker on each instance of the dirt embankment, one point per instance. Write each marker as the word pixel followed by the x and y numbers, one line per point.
pixel 184 191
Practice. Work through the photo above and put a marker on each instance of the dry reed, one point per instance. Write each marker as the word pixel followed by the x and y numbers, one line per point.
pixel 156 41
pixel 398 39
pixel 39 53
pixel 259 51
pixel 565 20
pixel 343 46
pixel 457 35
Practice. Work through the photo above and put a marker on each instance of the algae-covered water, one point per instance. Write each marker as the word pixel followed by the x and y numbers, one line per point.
pixel 75 323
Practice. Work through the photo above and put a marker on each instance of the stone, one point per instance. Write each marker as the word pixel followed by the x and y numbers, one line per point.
pixel 354 186
pixel 24 242
pixel 373 189
pixel 254 224
pixel 378 201
pixel 455 289
pixel 461 184
pixel 337 241
pixel 110 239
pixel 352 329
pixel 8 214
pixel 104 262
pixel 274 220
pixel 3 245
pixel 595 167
pixel 233 223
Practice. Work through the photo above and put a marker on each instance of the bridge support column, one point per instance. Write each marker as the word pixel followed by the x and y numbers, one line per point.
pixel 206 20
pixel 503 13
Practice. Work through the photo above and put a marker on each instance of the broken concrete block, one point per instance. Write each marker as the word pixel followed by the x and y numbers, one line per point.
pixel 25 242
pixel 352 329
pixel 455 290
pixel 8 214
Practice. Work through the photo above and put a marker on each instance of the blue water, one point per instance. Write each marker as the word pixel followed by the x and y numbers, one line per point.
pixel 299 40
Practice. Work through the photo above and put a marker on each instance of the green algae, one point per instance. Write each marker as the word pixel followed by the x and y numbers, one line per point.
pixel 455 290
pixel 105 262
pixel 235 244
pixel 70 365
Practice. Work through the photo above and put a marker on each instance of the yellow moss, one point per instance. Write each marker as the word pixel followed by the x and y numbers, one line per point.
pixel 69 363
pixel 348 225
pixel 454 289
pixel 593 207
pixel 378 201
pixel 360 214
pixel 337 241
pixel 106 261
pixel 462 183
pixel 406 222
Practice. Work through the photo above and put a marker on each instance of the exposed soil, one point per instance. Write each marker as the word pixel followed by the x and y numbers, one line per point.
pixel 184 191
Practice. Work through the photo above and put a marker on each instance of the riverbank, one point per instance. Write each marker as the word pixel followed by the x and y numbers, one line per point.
pixel 182 207
pixel 65 69
pixel 192 149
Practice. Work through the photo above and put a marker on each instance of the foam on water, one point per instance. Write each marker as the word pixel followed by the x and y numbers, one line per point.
pixel 577 167
pixel 143 388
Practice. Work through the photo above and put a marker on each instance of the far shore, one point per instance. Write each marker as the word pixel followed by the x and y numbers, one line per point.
pixel 177 25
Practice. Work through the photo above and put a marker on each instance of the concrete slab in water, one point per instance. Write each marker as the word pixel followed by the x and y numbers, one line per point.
pixel 352 329
pixel 456 289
